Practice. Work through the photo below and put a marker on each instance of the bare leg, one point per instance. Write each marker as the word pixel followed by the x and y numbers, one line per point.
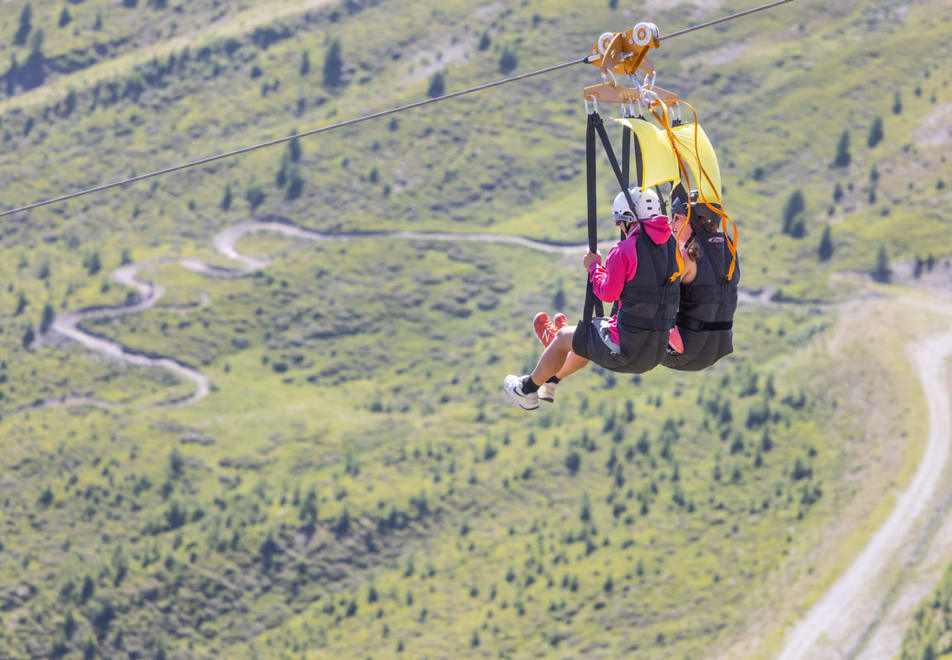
pixel 572 364
pixel 554 358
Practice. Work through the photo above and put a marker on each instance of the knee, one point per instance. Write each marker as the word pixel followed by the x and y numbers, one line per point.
pixel 564 338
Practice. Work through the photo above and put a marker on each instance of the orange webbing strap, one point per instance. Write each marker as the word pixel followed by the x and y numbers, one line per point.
pixel 675 145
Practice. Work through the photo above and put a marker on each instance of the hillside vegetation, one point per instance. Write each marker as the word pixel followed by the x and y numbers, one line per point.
pixel 355 484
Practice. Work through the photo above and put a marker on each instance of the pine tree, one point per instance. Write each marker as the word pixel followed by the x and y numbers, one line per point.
pixel 333 65
pixel 825 249
pixel 294 148
pixel 843 157
pixel 508 60
pixel 437 85
pixel 793 224
pixel 875 133
pixel 882 272
pixel 26 24
pixel 255 194
pixel 47 321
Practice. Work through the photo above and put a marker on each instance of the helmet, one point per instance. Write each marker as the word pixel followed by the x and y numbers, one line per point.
pixel 680 199
pixel 647 204
pixel 708 214
pixel 679 207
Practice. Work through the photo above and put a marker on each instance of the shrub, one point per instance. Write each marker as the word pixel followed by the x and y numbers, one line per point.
pixel 843 158
pixel 437 85
pixel 793 210
pixel 825 248
pixel 881 272
pixel 573 461
pixel 875 133
pixel 255 194
pixel 333 65
pixel 47 320
pixel 26 24
pixel 508 61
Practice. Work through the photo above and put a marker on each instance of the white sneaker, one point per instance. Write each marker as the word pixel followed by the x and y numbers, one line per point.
pixel 547 392
pixel 513 388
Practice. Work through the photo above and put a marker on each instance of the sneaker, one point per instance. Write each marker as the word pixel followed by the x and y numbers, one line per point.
pixel 559 321
pixel 544 329
pixel 513 388
pixel 547 392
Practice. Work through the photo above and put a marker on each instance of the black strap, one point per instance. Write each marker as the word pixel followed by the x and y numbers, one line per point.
pixel 645 323
pixel 626 156
pixel 607 145
pixel 697 325
pixel 592 303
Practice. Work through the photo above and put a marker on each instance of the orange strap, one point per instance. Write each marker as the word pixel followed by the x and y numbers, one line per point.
pixel 664 121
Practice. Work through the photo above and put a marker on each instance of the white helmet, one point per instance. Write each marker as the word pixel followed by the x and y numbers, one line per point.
pixel 647 204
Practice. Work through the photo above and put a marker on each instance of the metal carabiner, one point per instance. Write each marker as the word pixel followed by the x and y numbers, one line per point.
pixel 594 105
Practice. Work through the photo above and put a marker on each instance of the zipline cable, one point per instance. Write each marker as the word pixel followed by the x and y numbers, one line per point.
pixel 724 19
pixel 350 122
pixel 271 143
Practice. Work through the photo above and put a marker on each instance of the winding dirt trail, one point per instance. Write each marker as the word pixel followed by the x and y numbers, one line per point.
pixel 865 613
pixel 69 325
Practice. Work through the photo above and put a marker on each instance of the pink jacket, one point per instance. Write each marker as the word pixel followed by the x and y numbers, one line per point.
pixel 609 280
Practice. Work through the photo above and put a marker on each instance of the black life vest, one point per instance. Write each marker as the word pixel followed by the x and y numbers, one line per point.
pixel 706 315
pixel 649 303
pixel 709 301
pixel 650 299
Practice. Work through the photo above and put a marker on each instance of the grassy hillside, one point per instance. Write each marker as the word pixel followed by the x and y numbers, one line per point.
pixel 355 484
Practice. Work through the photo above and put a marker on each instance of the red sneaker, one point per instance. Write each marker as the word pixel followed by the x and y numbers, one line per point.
pixel 544 329
pixel 559 321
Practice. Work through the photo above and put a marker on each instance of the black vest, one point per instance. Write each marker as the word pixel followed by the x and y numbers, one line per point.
pixel 709 301
pixel 649 303
pixel 650 299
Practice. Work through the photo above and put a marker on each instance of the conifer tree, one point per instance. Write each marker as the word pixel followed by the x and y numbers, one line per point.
pixel 843 157
pixel 26 24
pixel 825 249
pixel 333 65
pixel 882 272
pixel 875 133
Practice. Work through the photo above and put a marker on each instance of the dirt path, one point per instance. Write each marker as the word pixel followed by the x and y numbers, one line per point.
pixel 866 611
pixel 69 325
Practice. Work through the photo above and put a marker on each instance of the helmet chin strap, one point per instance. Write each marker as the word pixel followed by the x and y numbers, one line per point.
pixel 628 226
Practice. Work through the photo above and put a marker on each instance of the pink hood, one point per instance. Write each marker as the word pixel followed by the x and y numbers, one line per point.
pixel 657 229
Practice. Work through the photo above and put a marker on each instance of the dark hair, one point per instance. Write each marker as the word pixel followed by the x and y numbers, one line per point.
pixel 692 249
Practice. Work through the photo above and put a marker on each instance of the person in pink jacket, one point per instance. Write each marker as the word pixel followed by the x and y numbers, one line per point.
pixel 642 273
